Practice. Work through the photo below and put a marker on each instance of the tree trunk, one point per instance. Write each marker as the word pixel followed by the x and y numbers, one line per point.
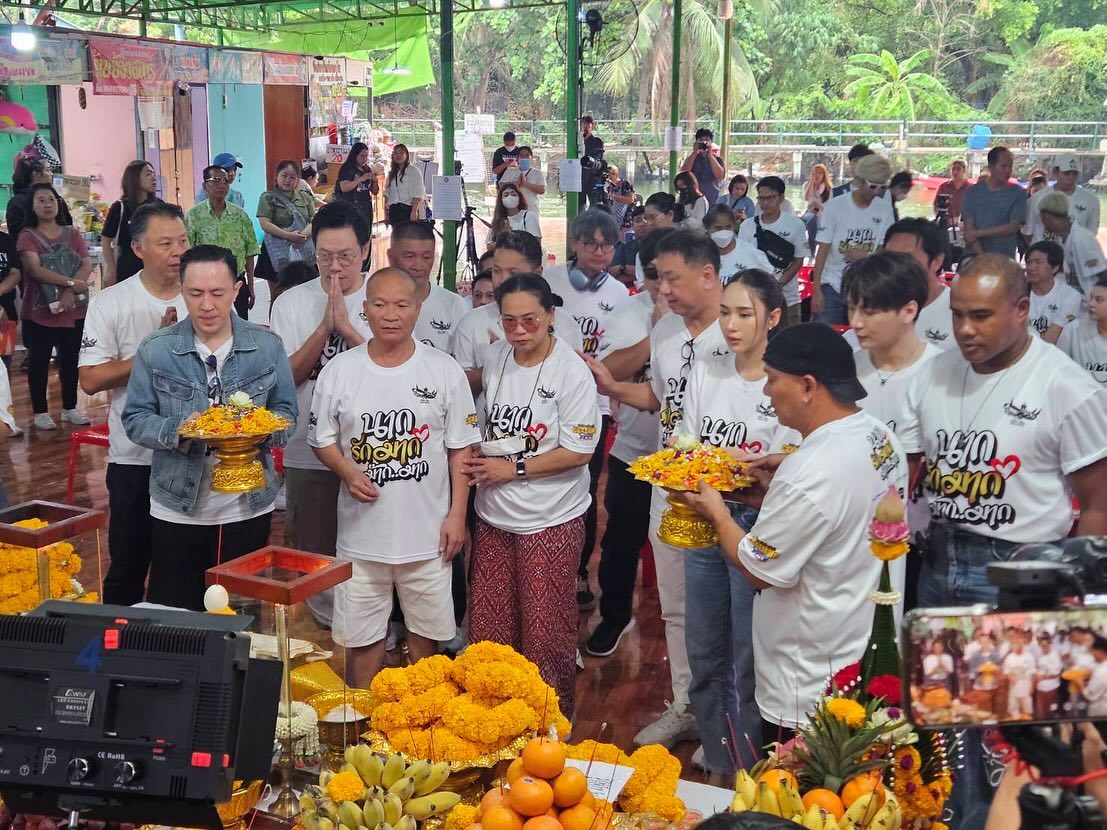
pixel 690 90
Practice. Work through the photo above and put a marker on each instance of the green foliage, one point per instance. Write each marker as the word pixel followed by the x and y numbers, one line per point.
pixel 889 88
pixel 1064 77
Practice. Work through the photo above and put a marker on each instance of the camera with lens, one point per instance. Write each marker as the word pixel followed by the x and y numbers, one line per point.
pixel 596 166
pixel 941 209
pixel 703 145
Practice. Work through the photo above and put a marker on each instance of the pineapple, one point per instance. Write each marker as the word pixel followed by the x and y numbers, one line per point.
pixel 831 752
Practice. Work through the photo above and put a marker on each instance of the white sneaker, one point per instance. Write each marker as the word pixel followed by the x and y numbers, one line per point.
pixel 17 430
pixel 43 421
pixel 697 759
pixel 674 726
pixel 76 417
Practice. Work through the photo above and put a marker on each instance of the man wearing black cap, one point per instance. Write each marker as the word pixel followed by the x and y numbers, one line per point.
pixel 808 552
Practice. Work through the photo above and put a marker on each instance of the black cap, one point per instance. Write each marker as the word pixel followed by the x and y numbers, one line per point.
pixel 818 350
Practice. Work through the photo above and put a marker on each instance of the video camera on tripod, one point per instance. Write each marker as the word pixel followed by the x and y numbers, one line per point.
pixel 598 169
pixel 1050 597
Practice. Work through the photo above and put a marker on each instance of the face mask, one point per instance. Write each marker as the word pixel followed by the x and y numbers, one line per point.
pixel 722 238
pixel 511 202
pixel 524 165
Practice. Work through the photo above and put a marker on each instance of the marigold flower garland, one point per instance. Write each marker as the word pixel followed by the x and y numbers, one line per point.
pixel 682 467
pixel 230 421
pixel 847 710
pixel 652 787
pixel 19 573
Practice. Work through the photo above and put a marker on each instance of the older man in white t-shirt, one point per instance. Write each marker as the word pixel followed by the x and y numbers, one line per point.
pixel 119 317
pixel 412 248
pixel 812 528
pixel 318 321
pixel 394 420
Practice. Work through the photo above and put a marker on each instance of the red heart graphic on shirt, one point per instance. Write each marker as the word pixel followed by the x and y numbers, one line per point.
pixel 1008 466
pixel 422 433
pixel 539 432
pixel 753 447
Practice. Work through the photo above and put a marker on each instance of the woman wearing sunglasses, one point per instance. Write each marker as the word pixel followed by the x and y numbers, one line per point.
pixel 540 398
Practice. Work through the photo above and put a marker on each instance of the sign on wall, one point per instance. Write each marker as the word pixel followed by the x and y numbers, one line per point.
pixel 230 67
pixel 127 67
pixel 285 70
pixel 53 62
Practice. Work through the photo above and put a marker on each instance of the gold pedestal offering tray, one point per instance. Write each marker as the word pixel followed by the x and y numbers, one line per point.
pixel 235 430
pixel 681 468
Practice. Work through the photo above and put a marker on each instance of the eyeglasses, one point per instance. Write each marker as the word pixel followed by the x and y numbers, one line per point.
pixel 593 247
pixel 215 385
pixel 687 354
pixel 530 323
pixel 214 180
pixel 874 185
pixel 484 295
pixel 342 257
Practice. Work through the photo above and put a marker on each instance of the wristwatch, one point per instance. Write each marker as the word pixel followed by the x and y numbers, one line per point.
pixel 69 283
pixel 520 468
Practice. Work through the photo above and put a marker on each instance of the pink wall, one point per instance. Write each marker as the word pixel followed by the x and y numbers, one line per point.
pixel 99 140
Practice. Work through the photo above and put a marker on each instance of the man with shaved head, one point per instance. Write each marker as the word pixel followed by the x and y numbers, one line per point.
pixel 394 420
pixel 1007 430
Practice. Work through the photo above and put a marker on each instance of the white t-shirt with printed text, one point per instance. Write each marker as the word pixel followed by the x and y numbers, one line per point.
pixel 847 228
pixel 119 317
pixel 551 405
pixel 1084 259
pixel 397 424
pixel 1059 307
pixel 789 227
pixel 629 324
pixel 998 446
pixel 811 533
pixel 294 318
pixel 935 322
pixel 439 315
pixel 1083 211
pixel 1082 341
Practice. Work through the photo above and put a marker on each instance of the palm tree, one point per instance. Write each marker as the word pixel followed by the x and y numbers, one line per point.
pixel 645 68
pixel 895 89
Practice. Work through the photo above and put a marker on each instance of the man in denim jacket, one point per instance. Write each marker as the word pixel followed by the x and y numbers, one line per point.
pixel 179 372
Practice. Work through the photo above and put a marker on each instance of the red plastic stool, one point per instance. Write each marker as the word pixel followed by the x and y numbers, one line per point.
pixel 97 436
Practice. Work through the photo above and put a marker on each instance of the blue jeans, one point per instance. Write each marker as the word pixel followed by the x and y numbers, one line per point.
pixel 834 310
pixel 718 634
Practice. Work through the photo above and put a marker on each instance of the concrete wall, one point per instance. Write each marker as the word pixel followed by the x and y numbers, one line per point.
pixel 99 140
pixel 235 119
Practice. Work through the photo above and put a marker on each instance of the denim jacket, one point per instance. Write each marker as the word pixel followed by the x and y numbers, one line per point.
pixel 169 383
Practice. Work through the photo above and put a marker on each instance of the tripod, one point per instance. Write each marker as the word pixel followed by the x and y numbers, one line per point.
pixel 465 226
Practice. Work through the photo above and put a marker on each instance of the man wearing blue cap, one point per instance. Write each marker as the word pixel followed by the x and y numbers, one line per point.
pixel 232 165
pixel 808 552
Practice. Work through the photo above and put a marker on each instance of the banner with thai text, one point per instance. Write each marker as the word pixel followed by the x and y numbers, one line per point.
pixel 285 70
pixel 127 67
pixel 52 62
pixel 229 67
pixel 186 63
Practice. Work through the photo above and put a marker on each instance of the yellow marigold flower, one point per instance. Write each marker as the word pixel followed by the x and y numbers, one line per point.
pixel 888 552
pixel 346 786
pixel 850 712
pixel 462 816
pixel 390 685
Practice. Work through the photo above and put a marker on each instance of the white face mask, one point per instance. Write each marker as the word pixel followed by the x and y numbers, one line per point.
pixel 510 201
pixel 722 238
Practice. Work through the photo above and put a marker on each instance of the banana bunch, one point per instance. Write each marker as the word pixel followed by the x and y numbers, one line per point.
pixel 866 813
pixel 397 794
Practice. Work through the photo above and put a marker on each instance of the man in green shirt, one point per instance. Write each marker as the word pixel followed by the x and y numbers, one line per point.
pixel 217 222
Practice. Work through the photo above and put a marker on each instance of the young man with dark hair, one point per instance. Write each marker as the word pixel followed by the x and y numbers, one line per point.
pixel 591 146
pixel 317 321
pixel 687 264
pixel 704 163
pixel 506 156
pixel 994 210
pixel 216 221
pixel 118 319
pixel 1085 341
pixel 782 237
pixel 178 373
pixel 928 244
pixel 1053 303
pixel 411 248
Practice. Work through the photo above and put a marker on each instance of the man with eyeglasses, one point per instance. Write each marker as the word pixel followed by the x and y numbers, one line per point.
pixel 590 294
pixel 782 237
pixel 687 264
pixel 317 321
pixel 215 221
pixel 229 164
pixel 851 227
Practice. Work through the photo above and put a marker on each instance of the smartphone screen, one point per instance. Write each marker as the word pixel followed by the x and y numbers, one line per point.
pixel 968 667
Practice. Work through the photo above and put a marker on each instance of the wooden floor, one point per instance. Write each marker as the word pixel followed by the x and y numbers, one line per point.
pixel 627 690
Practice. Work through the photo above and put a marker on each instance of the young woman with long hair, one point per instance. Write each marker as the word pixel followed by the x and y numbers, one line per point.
pixel 139 185
pixel 403 189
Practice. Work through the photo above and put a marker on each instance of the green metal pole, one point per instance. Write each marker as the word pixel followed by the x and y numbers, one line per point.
pixel 446 53
pixel 724 117
pixel 572 101
pixel 674 105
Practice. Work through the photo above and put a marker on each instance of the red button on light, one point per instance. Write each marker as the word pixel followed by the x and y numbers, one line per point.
pixel 111 638
pixel 201 759
pixel 226 760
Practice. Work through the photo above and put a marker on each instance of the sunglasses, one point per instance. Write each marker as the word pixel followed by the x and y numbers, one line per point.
pixel 874 185
pixel 529 323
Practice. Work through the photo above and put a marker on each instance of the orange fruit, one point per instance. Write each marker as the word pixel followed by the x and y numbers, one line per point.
pixel 858 786
pixel 495 797
pixel 530 796
pixel 542 823
pixel 824 800
pixel 501 818
pixel 588 800
pixel 474 826
pixel 544 757
pixel 553 812
pixel 578 818
pixel 772 779
pixel 569 787
pixel 515 771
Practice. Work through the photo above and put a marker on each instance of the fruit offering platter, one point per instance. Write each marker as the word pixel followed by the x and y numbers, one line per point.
pixel 685 464
pixel 377 793
pixel 472 711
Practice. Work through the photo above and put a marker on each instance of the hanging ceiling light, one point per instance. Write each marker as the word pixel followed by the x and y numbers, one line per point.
pixel 395 68
pixel 23 37
pixel 497 4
